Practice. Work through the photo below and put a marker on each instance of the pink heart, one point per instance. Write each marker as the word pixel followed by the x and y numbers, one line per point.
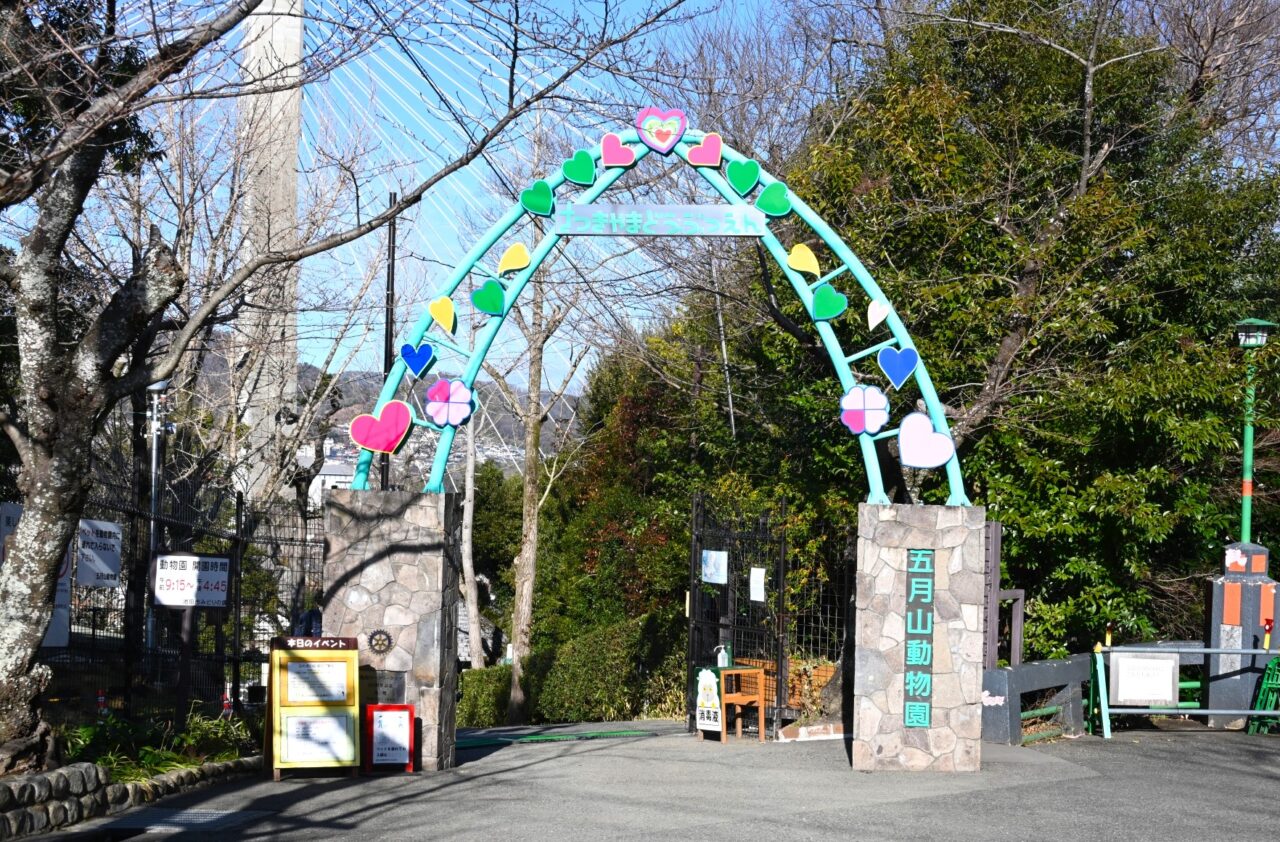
pixel 919 446
pixel 661 130
pixel 707 153
pixel 614 154
pixel 385 432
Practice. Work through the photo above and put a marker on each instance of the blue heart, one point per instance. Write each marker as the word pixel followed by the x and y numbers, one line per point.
pixel 418 359
pixel 898 364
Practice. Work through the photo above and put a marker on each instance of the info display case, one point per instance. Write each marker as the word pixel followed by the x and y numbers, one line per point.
pixel 315 705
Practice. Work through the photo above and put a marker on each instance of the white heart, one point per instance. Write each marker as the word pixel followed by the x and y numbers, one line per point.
pixel 877 311
pixel 919 446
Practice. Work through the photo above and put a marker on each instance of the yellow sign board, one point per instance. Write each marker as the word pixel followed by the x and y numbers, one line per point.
pixel 315 707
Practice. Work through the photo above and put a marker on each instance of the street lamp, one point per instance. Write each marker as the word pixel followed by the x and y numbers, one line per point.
pixel 1252 334
pixel 157 429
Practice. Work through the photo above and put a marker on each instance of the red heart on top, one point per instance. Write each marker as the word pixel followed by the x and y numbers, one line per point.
pixel 384 432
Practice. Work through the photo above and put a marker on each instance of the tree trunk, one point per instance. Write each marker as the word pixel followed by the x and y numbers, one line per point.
pixel 526 572
pixel 51 509
pixel 526 562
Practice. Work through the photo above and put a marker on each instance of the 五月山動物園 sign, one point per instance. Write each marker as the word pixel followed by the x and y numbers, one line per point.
pixel 917 678
pixel 661 221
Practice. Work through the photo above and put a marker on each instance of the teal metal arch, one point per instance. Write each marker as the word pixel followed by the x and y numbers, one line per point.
pixel 841 361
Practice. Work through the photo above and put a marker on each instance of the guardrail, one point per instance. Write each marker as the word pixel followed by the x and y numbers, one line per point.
pixel 1003 688
pixel 1101 709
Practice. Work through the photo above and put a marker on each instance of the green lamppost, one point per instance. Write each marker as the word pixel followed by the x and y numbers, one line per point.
pixel 1252 334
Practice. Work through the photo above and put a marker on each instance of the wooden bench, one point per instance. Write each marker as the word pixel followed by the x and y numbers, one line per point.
pixel 820 674
pixel 732 692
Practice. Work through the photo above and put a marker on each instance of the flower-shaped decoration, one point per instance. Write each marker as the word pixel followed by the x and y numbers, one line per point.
pixel 865 409
pixel 449 402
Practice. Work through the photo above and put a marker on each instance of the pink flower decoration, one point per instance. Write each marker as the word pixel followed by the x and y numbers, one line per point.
pixel 865 409
pixel 449 402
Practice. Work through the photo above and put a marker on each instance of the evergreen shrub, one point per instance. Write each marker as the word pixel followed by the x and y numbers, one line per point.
pixel 627 670
pixel 607 673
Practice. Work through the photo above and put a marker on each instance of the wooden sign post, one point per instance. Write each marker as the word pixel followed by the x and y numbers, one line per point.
pixel 315 711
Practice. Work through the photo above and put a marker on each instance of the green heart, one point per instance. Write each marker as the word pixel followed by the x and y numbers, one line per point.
pixel 581 168
pixel 491 297
pixel 538 199
pixel 827 303
pixel 774 200
pixel 743 175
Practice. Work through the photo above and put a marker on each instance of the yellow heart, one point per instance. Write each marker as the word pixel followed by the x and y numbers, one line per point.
pixel 441 309
pixel 515 258
pixel 802 259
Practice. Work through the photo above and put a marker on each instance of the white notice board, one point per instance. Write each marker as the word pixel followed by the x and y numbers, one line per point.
pixel 99 544
pixel 391 731
pixel 1144 679
pixel 319 737
pixel 316 682
pixel 184 580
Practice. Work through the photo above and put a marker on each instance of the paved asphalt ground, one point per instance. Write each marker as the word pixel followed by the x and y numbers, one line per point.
pixel 1157 785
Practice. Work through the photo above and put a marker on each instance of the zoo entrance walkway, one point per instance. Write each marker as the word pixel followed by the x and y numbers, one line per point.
pixel 666 785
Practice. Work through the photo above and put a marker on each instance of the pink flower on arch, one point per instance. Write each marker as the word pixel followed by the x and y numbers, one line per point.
pixel 864 409
pixel 449 402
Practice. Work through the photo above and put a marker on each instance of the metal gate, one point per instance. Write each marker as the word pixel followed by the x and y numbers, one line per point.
pixel 725 614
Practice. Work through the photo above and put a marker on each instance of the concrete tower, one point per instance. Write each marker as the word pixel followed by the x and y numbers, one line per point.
pixel 266 357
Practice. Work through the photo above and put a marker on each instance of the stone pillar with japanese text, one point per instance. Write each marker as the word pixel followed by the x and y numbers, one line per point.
pixel 391 582
pixel 918 641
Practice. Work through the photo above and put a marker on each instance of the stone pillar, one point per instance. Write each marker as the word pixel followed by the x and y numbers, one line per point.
pixel 919 619
pixel 387 569
pixel 1241 600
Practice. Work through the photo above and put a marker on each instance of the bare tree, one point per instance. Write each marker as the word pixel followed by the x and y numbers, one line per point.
pixel 91 82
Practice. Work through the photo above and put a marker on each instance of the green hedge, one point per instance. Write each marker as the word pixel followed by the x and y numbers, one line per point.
pixel 623 671
pixel 485 693
pixel 609 673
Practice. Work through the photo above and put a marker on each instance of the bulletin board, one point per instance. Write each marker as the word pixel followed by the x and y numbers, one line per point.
pixel 314 703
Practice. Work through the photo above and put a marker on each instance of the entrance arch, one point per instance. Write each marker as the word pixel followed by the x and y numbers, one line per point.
pixel 754 196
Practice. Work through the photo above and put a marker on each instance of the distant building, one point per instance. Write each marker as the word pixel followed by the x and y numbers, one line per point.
pixel 332 475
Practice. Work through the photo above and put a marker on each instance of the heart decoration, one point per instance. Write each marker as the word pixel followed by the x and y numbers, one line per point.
pixel 877 311
pixel 384 432
pixel 538 199
pixel 449 402
pixel 614 153
pixel 827 303
pixel 418 359
pixel 707 153
pixel 802 259
pixel 919 446
pixel 743 176
pixel 580 169
pixel 515 258
pixel 774 200
pixel 661 130
pixel 897 364
pixel 865 409
pixel 441 309
pixel 490 298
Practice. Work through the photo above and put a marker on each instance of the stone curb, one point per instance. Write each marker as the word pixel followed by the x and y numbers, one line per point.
pixel 46 801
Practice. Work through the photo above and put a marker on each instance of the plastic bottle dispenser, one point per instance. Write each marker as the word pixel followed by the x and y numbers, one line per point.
pixel 724 656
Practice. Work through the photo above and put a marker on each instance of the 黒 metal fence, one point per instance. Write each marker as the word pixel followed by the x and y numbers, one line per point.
pixel 137 659
pixel 780 609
